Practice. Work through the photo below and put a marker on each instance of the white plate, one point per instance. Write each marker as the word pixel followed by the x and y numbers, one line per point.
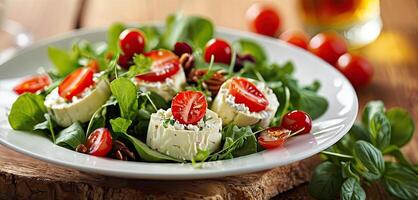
pixel 327 130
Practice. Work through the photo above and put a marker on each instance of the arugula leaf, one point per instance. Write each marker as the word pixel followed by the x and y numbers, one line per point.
pixel 402 126
pixel 246 143
pixel 370 158
pixel 125 93
pixel 71 136
pixel 152 36
pixel 326 181
pixel 113 37
pixel 142 64
pixel 371 108
pixel 379 127
pixel 62 60
pixel 400 181
pixel 352 190
pixel 247 46
pixel 27 111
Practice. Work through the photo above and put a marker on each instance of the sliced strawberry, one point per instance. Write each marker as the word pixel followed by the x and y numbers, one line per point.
pixel 165 64
pixel 247 93
pixel 189 107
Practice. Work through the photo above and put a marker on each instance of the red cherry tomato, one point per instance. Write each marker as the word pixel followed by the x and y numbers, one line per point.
pixel 297 38
pixel 189 107
pixel 263 19
pixel 296 121
pixel 248 94
pixel 273 137
pixel 328 46
pixel 356 68
pixel 99 142
pixel 220 49
pixel 94 65
pixel 32 84
pixel 165 64
pixel 75 83
pixel 132 41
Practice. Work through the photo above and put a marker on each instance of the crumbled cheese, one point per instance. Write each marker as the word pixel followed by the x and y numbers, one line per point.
pixel 230 100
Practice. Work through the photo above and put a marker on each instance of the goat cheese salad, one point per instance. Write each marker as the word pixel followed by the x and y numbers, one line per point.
pixel 174 95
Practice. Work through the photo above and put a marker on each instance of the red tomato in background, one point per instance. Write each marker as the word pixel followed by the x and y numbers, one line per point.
pixel 263 19
pixel 220 49
pixel 189 107
pixel 329 46
pixel 297 38
pixel 99 142
pixel 76 82
pixel 32 84
pixel 356 68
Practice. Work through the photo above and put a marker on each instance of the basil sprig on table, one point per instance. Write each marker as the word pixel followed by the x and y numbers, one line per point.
pixel 357 160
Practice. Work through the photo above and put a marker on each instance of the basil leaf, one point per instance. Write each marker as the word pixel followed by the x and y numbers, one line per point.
pixel 400 181
pixel 379 128
pixel 246 46
pixel 352 190
pixel 125 93
pixel 312 103
pixel 152 36
pixel 71 137
pixel 370 158
pixel 348 172
pixel 63 61
pixel 326 181
pixel 371 108
pixel 27 111
pixel 358 132
pixel 396 152
pixel 402 126
pixel 113 37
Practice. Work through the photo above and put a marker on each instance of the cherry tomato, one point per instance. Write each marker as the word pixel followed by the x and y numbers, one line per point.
pixel 356 68
pixel 99 142
pixel 220 49
pixel 296 121
pixel 125 61
pixel 165 64
pixel 273 137
pixel 189 107
pixel 32 84
pixel 94 65
pixel 328 46
pixel 75 83
pixel 131 42
pixel 297 38
pixel 248 94
pixel 263 19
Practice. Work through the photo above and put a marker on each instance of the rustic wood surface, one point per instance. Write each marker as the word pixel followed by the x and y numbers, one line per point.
pixel 394 56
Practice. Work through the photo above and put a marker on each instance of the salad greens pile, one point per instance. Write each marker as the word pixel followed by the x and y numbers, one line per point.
pixel 358 159
pixel 127 112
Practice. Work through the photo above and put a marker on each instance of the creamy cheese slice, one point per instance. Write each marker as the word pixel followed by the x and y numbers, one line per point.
pixel 166 89
pixel 169 137
pixel 239 114
pixel 79 109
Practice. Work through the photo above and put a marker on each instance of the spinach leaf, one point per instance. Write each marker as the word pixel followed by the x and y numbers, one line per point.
pixel 63 61
pixel 402 126
pixel 370 158
pixel 71 137
pixel 246 46
pixel 98 120
pixel 125 93
pixel 371 108
pixel 27 111
pixel 120 125
pixel 352 190
pixel 152 36
pixel 113 37
pixel 312 103
pixel 326 181
pixel 379 127
pixel 400 181
pixel 47 125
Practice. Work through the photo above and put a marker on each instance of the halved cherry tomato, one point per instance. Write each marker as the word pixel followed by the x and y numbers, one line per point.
pixel 75 83
pixel 99 142
pixel 165 64
pixel 356 68
pixel 296 121
pixel 220 49
pixel 263 19
pixel 273 137
pixel 328 46
pixel 131 42
pixel 189 107
pixel 32 84
pixel 297 38
pixel 248 94
pixel 94 65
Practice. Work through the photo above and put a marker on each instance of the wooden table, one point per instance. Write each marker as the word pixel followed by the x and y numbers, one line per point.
pixel 394 56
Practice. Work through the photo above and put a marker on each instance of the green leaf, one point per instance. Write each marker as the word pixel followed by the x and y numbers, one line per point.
pixel 401 182
pixel 120 125
pixel 152 36
pixel 113 37
pixel 312 103
pixel 71 137
pixel 352 190
pixel 402 126
pixel 248 147
pixel 27 111
pixel 379 127
pixel 125 93
pixel 370 158
pixel 247 46
pixel 326 181
pixel 397 153
pixel 348 171
pixel 142 64
pixel 358 132
pixel 47 125
pixel 63 61
pixel 371 108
